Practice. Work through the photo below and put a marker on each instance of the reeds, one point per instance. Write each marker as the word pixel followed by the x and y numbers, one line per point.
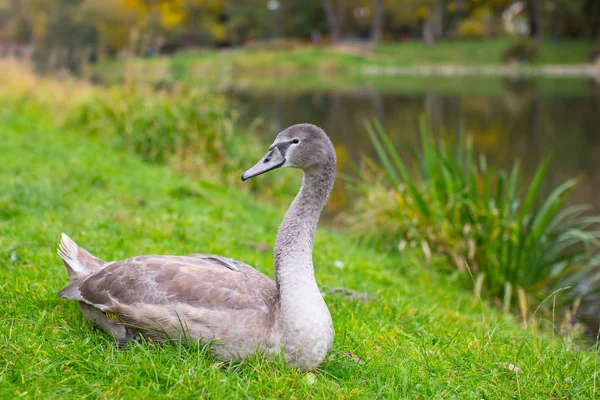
pixel 517 244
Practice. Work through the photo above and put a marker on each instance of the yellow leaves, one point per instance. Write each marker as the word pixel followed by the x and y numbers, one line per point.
pixel 136 4
pixel 482 12
pixel 219 32
pixel 174 13
pixel 114 20
pixel 212 6
pixel 471 28
pixel 40 25
pixel 115 36
pixel 171 13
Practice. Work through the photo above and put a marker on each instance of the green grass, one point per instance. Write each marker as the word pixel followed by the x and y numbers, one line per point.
pixel 484 52
pixel 299 66
pixel 302 82
pixel 421 335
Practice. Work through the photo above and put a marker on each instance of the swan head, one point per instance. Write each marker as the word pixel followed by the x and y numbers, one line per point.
pixel 303 146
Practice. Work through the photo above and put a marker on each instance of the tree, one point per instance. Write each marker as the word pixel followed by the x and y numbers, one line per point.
pixel 66 39
pixel 247 20
pixel 377 26
pixel 537 20
pixel 303 18
pixel 591 9
pixel 432 16
pixel 335 10
pixel 171 19
pixel 113 21
pixel 428 14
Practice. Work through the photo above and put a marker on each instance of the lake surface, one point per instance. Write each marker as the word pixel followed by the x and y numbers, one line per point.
pixel 508 119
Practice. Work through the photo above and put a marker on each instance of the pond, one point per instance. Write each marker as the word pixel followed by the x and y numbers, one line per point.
pixel 508 119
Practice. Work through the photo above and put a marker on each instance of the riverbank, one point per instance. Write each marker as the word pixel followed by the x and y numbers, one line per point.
pixel 294 64
pixel 402 329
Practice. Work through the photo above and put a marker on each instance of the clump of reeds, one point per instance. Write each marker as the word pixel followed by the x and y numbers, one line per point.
pixel 518 245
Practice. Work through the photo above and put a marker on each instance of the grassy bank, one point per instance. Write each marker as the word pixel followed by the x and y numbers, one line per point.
pixel 192 130
pixel 419 334
pixel 294 65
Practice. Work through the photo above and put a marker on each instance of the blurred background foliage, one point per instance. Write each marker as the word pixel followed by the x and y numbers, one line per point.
pixel 65 32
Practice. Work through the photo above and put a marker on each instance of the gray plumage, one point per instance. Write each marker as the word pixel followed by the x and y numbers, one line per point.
pixel 216 299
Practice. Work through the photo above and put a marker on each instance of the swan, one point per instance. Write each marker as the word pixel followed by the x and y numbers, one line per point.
pixel 217 300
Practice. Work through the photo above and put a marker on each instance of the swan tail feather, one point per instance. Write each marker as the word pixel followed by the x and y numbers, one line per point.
pixel 79 262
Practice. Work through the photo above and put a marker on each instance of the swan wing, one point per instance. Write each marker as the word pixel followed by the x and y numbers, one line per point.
pixel 199 281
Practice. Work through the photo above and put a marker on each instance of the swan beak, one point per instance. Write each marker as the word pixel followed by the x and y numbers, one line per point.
pixel 272 160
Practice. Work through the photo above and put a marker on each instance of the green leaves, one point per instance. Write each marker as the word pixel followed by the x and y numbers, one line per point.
pixel 524 244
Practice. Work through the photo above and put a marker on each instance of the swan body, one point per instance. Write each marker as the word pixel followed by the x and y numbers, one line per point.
pixel 218 300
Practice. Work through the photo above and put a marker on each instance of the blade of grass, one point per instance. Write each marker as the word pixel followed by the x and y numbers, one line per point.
pixel 413 190
pixel 391 173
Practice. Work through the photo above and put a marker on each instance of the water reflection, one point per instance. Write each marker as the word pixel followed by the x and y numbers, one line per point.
pixel 525 120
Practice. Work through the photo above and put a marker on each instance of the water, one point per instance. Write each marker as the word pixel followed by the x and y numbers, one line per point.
pixel 507 120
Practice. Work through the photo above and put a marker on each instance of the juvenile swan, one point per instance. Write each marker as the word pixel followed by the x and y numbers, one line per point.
pixel 216 299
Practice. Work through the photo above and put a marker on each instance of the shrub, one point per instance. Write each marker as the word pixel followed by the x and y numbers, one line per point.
pixel 522 50
pixel 160 125
pixel 471 28
pixel 487 222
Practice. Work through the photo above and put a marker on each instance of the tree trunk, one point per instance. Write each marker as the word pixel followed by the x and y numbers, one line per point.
pixel 436 18
pixel 377 26
pixel 427 33
pixel 537 20
pixel 335 17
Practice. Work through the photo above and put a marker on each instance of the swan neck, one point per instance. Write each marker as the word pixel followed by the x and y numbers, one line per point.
pixel 294 244
pixel 303 321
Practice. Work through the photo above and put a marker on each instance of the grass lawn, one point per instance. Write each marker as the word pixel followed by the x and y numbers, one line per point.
pixel 301 65
pixel 482 52
pixel 421 334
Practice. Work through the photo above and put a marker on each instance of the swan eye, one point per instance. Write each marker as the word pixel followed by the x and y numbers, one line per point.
pixel 296 141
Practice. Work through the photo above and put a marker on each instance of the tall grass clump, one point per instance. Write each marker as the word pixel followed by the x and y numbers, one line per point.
pixel 22 88
pixel 187 126
pixel 191 129
pixel 517 244
pixel 159 124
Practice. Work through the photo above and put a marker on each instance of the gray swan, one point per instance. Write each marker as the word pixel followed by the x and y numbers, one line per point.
pixel 218 300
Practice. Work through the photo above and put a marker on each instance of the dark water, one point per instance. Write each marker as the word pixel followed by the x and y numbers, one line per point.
pixel 524 120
